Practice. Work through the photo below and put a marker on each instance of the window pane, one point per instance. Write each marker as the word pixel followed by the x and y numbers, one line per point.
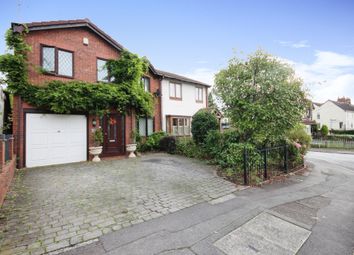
pixel 102 72
pixel 172 90
pixel 181 122
pixel 200 94
pixel 142 127
pixel 146 83
pixel 48 59
pixel 150 126
pixel 178 91
pixel 65 63
pixel 174 122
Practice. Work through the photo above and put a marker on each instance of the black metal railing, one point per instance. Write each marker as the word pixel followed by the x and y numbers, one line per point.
pixel 266 163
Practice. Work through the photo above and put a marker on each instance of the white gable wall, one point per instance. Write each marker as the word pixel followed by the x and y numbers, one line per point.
pixel 350 120
pixel 330 115
pixel 185 107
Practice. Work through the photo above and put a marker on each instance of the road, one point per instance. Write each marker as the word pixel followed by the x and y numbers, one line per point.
pixel 306 214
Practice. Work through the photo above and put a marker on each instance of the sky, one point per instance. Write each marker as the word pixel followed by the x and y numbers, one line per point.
pixel 196 38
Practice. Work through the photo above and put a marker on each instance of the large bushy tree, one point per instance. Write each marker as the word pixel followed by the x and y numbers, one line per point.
pixel 262 96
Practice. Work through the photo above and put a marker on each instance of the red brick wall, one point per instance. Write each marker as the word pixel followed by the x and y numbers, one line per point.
pixel 85 57
pixel 85 65
pixel 7 170
pixel 155 85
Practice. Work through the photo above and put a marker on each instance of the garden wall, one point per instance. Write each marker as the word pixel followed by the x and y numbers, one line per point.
pixel 7 165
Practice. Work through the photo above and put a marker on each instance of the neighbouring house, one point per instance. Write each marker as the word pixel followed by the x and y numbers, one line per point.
pixel 181 98
pixel 336 115
pixel 78 50
pixel 307 120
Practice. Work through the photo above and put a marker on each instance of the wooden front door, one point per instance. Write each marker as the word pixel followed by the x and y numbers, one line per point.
pixel 113 135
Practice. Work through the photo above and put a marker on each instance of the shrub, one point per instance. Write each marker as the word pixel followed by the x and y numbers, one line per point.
pixel 187 147
pixel 216 142
pixel 203 121
pixel 342 132
pixel 324 130
pixel 98 137
pixel 152 142
pixel 299 135
pixel 168 144
pixel 232 156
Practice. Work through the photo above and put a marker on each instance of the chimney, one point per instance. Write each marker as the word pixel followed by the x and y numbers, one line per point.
pixel 344 100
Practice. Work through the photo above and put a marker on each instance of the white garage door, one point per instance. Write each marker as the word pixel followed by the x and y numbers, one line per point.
pixel 55 139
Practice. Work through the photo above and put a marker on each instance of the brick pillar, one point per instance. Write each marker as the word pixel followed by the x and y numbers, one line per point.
pixel 2 154
pixel 11 148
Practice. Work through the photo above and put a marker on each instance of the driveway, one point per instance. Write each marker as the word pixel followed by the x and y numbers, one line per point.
pixel 306 214
pixel 56 207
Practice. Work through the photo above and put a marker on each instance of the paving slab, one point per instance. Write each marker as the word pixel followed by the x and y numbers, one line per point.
pixel 264 234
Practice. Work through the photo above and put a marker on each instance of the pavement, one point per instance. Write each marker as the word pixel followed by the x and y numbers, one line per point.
pixel 52 208
pixel 312 213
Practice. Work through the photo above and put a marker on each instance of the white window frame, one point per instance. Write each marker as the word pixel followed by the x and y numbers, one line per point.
pixel 173 91
pixel 199 94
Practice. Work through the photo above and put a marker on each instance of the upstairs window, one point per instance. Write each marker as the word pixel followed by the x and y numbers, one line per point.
pixel 102 71
pixel 175 91
pixel 199 94
pixel 318 116
pixel 57 61
pixel 146 83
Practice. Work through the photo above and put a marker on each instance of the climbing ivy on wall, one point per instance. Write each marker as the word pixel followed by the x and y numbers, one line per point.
pixel 123 93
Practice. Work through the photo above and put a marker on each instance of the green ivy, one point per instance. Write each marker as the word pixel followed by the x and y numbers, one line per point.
pixel 125 91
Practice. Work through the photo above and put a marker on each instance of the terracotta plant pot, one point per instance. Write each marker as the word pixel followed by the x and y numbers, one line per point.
pixel 95 151
pixel 131 148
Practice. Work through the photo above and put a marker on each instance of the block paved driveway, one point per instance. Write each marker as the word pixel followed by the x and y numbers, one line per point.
pixel 56 207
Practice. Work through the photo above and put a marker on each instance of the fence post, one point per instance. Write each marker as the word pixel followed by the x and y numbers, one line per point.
pixel 245 159
pixel 265 164
pixel 286 158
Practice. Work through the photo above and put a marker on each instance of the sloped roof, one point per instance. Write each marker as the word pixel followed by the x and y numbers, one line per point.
pixel 180 78
pixel 45 25
pixel 318 104
pixel 344 106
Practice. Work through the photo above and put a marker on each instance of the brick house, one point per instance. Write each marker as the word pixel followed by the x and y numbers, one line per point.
pixel 77 50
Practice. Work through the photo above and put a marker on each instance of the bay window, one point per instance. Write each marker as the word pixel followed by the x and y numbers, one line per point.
pixel 179 126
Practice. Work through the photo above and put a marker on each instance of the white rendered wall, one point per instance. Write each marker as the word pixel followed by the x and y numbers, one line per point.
pixel 330 115
pixel 185 107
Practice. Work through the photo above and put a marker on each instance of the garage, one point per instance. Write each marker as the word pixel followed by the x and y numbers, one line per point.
pixel 55 139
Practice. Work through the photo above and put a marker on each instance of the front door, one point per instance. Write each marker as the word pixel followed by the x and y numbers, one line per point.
pixel 113 134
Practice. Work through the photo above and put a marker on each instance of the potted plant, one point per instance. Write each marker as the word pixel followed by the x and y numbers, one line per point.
pixel 131 148
pixel 98 141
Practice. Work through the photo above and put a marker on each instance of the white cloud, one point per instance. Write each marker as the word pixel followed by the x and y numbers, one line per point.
pixel 297 45
pixel 330 76
pixel 205 75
